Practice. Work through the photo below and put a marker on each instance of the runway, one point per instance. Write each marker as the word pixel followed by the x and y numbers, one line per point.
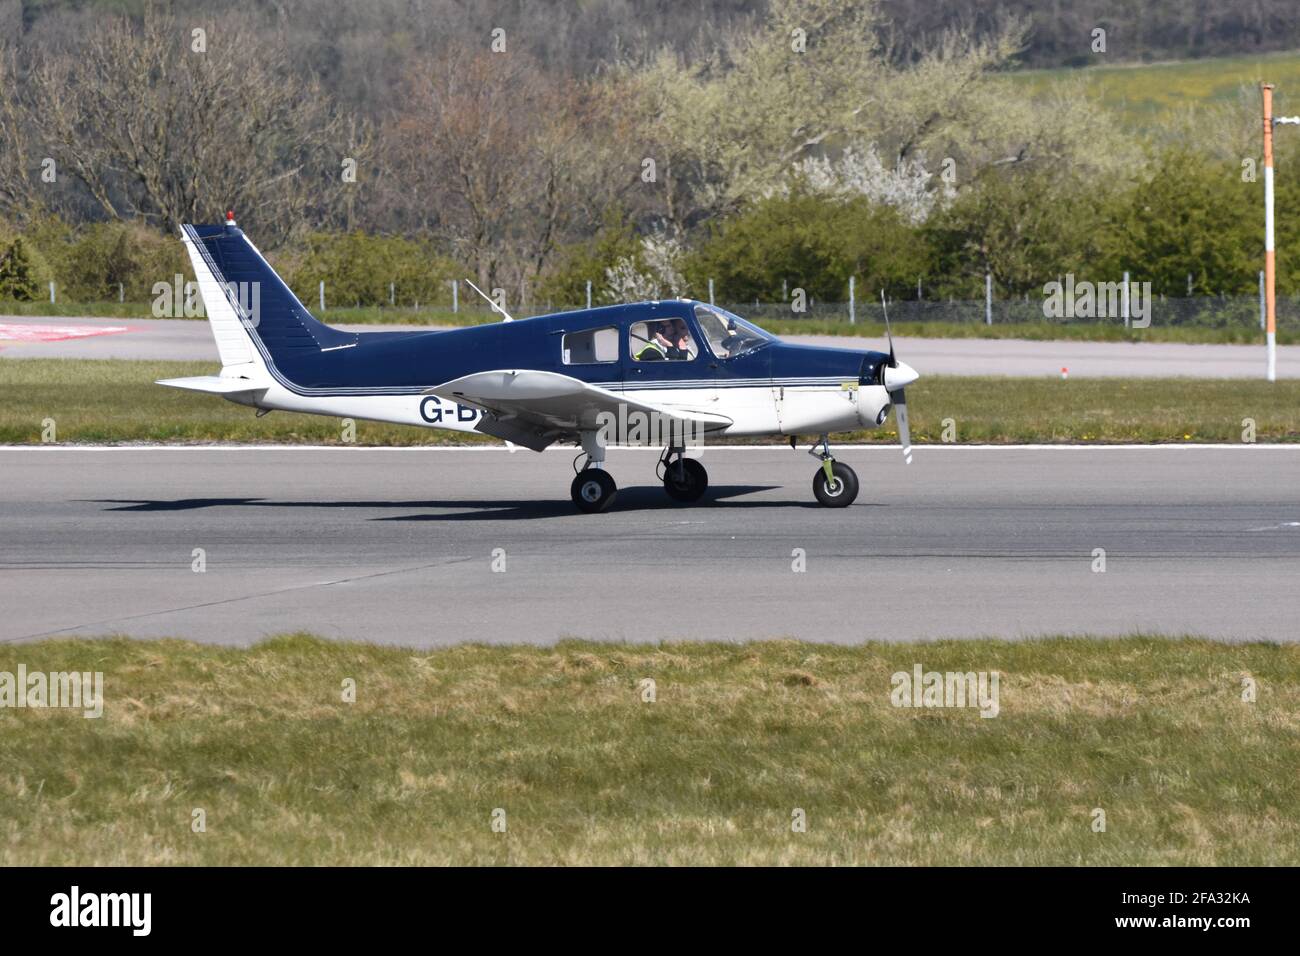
pixel 399 545
pixel 190 340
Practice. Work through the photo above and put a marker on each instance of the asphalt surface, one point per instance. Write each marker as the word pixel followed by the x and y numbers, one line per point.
pixel 397 545
pixel 190 340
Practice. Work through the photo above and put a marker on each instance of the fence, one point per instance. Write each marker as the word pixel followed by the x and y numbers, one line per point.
pixel 1216 312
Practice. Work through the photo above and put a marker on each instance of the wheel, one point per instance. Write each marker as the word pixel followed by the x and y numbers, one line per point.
pixel 592 490
pixel 685 480
pixel 840 491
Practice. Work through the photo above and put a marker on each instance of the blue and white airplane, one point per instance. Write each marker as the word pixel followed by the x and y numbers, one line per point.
pixel 594 377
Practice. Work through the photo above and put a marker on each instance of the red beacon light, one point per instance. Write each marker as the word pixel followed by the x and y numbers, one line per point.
pixel 230 217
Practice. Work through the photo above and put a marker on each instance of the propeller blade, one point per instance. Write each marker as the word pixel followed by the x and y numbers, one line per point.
pixel 900 414
pixel 893 362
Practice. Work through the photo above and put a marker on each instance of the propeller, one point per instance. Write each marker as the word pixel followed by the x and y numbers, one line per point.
pixel 895 377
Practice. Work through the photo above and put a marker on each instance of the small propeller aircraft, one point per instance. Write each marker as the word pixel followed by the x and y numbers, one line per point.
pixel 594 377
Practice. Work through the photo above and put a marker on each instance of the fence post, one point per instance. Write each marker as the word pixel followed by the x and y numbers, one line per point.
pixel 1189 285
pixel 589 293
pixel 853 319
pixel 1262 308
pixel 710 292
pixel 392 297
pixel 1125 299
pixel 988 298
pixel 785 291
pixel 455 295
pixel 918 288
pixel 322 295
pixel 121 293
pixel 51 292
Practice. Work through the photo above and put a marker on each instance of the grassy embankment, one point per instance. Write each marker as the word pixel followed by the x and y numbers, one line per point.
pixel 1155 733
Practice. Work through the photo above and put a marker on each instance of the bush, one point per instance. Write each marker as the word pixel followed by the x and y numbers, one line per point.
pixel 809 241
pixel 357 269
pixel 88 263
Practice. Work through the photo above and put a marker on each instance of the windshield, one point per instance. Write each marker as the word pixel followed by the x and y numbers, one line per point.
pixel 729 335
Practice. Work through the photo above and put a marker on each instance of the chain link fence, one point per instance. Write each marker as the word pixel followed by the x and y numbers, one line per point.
pixel 1214 312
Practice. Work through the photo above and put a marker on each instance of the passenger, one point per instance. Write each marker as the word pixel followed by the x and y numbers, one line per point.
pixel 656 350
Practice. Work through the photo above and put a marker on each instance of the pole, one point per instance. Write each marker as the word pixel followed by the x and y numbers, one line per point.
pixel 392 298
pixel 988 298
pixel 589 293
pixel 322 295
pixel 1125 290
pixel 455 295
pixel 121 293
pixel 853 319
pixel 1270 275
pixel 51 292
pixel 1263 312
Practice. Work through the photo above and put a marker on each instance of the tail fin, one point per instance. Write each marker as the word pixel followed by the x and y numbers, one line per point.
pixel 256 319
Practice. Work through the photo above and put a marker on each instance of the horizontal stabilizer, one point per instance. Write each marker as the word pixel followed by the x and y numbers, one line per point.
pixel 214 385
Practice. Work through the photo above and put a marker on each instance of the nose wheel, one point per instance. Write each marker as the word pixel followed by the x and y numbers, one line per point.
pixel 835 484
pixel 685 479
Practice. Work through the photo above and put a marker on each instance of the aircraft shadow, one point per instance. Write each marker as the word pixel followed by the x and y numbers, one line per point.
pixel 461 509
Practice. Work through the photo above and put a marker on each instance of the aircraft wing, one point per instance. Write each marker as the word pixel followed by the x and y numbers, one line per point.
pixel 535 408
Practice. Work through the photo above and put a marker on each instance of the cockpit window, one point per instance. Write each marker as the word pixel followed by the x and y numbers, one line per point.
pixel 661 340
pixel 729 335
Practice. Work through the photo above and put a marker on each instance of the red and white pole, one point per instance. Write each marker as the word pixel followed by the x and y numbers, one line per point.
pixel 1270 265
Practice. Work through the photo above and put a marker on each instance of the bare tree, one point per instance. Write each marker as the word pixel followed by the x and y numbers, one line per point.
pixel 158 121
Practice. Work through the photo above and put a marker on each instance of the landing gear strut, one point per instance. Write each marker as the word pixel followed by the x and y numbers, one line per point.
pixel 685 479
pixel 835 484
pixel 593 488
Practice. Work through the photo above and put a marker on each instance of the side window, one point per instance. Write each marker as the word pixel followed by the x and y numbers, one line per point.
pixel 661 340
pixel 591 346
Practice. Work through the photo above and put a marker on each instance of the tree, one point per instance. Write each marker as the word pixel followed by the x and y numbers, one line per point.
pixel 154 123
pixel 17 276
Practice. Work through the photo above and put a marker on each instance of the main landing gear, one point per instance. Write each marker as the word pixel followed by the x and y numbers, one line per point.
pixel 835 484
pixel 685 479
pixel 593 488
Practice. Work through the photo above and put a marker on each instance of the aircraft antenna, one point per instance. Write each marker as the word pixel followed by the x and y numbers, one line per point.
pixel 491 302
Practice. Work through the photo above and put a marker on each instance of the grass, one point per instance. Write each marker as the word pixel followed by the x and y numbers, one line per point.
pixel 1153 732
pixel 1101 331
pixel 1141 93
pixel 94 400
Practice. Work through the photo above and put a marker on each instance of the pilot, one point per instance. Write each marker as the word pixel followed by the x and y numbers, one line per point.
pixel 679 340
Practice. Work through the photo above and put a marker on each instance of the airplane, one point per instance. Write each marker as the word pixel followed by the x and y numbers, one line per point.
pixel 593 377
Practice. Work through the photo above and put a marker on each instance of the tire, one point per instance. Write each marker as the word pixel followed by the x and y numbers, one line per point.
pixel 592 490
pixel 690 484
pixel 841 492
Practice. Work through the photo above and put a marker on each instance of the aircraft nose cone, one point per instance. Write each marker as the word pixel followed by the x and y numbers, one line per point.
pixel 900 377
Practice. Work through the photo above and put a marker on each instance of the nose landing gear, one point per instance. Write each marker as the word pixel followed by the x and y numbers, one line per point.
pixel 835 484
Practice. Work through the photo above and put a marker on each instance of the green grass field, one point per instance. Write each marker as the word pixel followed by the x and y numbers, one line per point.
pixel 116 401
pixel 1142 92
pixel 562 741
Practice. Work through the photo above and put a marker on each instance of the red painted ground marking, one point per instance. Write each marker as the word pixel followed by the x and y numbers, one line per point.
pixel 18 332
